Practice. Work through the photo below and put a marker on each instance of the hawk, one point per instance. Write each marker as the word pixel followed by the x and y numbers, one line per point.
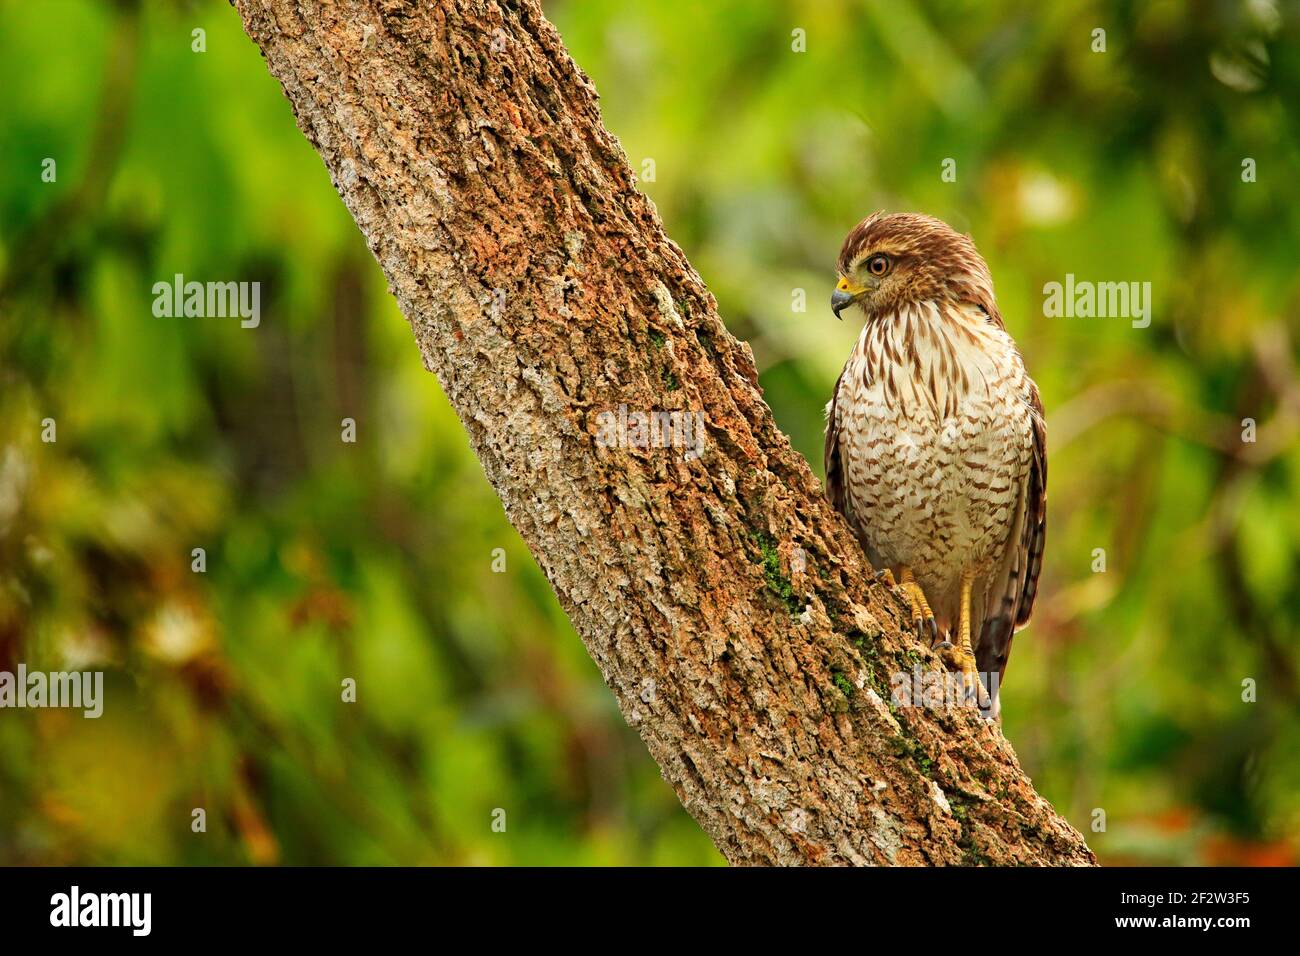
pixel 935 443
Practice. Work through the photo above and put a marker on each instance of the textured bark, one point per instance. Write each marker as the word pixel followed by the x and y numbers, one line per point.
pixel 543 291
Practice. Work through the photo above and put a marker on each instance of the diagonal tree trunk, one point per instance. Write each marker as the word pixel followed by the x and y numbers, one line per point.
pixel 727 605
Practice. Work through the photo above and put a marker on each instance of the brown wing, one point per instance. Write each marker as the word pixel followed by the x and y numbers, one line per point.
pixel 835 491
pixel 1011 597
pixel 1036 526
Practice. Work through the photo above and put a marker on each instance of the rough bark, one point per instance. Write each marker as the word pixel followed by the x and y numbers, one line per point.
pixel 543 291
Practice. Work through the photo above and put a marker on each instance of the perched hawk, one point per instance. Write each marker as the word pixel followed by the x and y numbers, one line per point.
pixel 935 444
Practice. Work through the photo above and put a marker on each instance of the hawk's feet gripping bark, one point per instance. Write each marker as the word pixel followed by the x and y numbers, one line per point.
pixel 961 656
pixel 923 622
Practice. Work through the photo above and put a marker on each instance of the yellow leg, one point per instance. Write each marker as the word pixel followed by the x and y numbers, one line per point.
pixel 922 617
pixel 963 626
pixel 960 656
pixel 966 643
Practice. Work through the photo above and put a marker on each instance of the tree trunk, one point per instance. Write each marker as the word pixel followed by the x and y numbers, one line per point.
pixel 727 605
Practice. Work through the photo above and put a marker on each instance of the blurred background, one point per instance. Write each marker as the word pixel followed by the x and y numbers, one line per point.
pixel 772 128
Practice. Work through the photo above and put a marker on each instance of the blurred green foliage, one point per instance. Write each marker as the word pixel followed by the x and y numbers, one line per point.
pixel 374 560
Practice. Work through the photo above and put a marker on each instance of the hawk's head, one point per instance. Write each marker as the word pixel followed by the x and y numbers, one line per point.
pixel 890 261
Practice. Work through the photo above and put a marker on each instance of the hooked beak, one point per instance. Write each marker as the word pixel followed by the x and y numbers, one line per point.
pixel 839 302
pixel 844 296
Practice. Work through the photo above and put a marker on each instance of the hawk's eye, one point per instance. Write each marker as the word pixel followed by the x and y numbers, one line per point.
pixel 878 264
